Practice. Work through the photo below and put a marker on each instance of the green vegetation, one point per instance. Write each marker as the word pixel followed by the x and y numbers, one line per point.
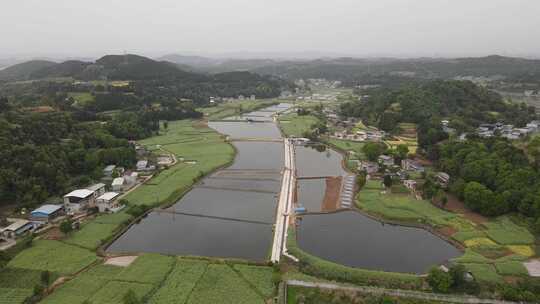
pixel 148 268
pixel 189 140
pixel 504 231
pixel 260 277
pixel 224 110
pixel 180 282
pixel 53 256
pixel 91 234
pixel 81 99
pixel 297 125
pixel 221 284
pixel 298 295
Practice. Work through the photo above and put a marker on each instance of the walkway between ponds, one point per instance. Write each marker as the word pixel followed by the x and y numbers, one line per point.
pixel 401 293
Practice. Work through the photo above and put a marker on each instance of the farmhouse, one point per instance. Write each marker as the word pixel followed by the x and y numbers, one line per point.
pixel 98 189
pixel 443 179
pixel 368 167
pixel 386 160
pixel 16 228
pixel 46 213
pixel 118 184
pixel 79 200
pixel 107 202
pixel 411 165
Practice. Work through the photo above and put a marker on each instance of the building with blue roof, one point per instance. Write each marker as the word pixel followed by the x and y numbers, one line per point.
pixel 46 213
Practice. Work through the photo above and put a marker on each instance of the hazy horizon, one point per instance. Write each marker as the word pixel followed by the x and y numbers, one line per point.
pixel 277 29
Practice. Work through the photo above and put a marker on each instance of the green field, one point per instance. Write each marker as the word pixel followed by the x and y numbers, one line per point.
pixel 189 140
pixel 159 279
pixel 297 126
pixel 17 284
pixel 82 99
pixel 224 110
pixel 53 256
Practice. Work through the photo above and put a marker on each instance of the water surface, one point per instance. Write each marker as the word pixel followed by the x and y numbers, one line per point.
pixel 355 240
pixel 235 129
pixel 311 193
pixel 318 161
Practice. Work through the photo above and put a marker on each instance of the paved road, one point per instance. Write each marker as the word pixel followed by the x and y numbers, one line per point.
pixel 284 204
pixel 401 293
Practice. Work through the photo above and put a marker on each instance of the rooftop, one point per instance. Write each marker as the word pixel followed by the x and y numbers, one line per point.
pixel 47 209
pixel 80 193
pixel 96 187
pixel 107 196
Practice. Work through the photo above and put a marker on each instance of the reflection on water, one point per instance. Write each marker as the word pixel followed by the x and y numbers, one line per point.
pixel 355 240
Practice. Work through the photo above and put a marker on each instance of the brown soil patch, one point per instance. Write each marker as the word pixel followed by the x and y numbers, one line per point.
pixel 53 234
pixel 512 280
pixel 423 161
pixel 331 196
pixel 456 206
pixel 447 231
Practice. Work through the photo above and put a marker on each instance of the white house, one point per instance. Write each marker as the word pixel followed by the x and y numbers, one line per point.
pixel 443 179
pixel 16 228
pixel 98 189
pixel 107 202
pixel 368 167
pixel 131 178
pixel 79 200
pixel 118 184
pixel 411 165
pixel 386 160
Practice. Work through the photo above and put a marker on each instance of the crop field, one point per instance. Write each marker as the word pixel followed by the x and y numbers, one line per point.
pixel 148 268
pixel 221 284
pixel 53 256
pixel 260 277
pixel 298 126
pixel 504 231
pixel 114 291
pixel 348 145
pixel 16 284
pixel 186 140
pixel 180 282
pixel 91 234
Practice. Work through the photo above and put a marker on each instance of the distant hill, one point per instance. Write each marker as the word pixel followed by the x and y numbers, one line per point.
pixel 192 61
pixel 70 68
pixel 354 69
pixel 22 71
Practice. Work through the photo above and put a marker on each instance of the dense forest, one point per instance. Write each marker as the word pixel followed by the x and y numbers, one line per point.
pixel 463 103
pixel 44 154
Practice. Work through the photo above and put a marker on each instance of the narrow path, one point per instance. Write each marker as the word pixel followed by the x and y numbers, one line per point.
pixel 401 293
pixel 212 217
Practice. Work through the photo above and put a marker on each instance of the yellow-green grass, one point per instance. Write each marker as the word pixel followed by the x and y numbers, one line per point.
pixel 478 241
pixel 523 250
pixel 486 273
pixel 191 141
pixel 14 295
pixel 82 99
pixel 114 292
pixel 511 268
pixel 148 268
pixel 348 145
pixel 260 277
pixel 221 284
pixel 505 232
pixel 16 284
pixel 91 235
pixel 180 282
pixel 53 256
pixel 298 126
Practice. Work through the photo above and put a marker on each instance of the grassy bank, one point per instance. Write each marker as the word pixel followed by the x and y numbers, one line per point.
pixel 494 250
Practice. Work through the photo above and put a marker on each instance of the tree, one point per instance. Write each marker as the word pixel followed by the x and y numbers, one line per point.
pixel 131 298
pixel 372 150
pixel 402 151
pixel 457 272
pixel 387 181
pixel 66 226
pixel 479 198
pixel 45 278
pixel 166 124
pixel 439 280
pixel 361 180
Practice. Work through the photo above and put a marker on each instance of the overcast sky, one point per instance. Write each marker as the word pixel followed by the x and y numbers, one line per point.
pixel 255 27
